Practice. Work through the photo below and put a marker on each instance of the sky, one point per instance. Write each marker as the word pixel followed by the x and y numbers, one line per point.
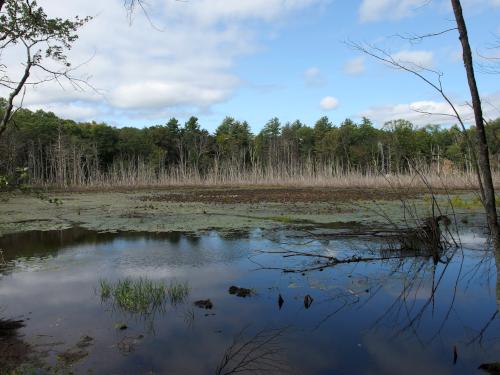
pixel 258 59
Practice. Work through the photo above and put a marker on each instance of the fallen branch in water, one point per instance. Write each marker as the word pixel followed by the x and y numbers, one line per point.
pixel 330 262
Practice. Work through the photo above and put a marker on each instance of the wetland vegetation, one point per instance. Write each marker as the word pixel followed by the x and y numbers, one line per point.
pixel 345 246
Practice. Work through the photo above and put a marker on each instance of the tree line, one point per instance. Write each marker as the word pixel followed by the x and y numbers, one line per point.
pixel 51 150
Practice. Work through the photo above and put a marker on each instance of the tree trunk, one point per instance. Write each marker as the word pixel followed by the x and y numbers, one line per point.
pixel 482 145
pixel 2 2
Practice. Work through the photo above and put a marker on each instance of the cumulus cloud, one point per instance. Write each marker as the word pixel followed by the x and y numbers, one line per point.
pixel 72 111
pixel 188 64
pixel 328 103
pixel 428 111
pixel 377 10
pixel 314 78
pixel 423 59
pixel 155 94
pixel 355 66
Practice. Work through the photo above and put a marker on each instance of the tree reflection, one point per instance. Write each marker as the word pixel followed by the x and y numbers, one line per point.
pixel 422 282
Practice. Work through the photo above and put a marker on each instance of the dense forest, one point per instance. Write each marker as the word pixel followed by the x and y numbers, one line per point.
pixel 43 149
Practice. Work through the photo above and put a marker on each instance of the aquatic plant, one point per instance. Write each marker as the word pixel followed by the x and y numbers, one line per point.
pixel 459 202
pixel 177 292
pixel 140 295
pixel 143 295
pixel 106 289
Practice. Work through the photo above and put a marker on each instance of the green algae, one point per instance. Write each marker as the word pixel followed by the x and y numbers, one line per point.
pixel 131 211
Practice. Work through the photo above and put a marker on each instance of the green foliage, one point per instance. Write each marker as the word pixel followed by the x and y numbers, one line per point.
pixel 25 22
pixel 16 180
pixel 4 182
pixel 45 142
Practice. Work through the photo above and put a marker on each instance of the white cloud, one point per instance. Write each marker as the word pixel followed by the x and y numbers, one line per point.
pixel 72 111
pixel 377 10
pixel 355 66
pixel 314 78
pixel 137 69
pixel 423 59
pixel 328 103
pixel 155 94
pixel 437 112
pixel 214 11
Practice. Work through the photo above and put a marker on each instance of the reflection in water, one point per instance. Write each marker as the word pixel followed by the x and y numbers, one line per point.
pixel 262 352
pixel 13 350
pixel 350 305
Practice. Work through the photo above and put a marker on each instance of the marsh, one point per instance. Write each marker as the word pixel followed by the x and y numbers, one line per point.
pixel 385 315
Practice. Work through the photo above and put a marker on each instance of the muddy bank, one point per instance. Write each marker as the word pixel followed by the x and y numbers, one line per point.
pixel 192 210
pixel 278 195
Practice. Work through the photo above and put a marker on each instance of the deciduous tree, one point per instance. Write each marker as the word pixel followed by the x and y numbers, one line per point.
pixel 45 41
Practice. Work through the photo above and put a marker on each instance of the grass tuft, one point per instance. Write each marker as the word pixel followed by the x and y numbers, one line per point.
pixel 143 295
pixel 106 289
pixel 178 292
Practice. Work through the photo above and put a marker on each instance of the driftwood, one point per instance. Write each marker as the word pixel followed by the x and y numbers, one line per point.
pixel 424 241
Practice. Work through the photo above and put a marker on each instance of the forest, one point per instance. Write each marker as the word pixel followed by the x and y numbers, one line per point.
pixel 43 149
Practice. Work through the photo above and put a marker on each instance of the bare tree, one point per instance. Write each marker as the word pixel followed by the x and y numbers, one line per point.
pixel 481 155
pixel 23 24
pixel 482 145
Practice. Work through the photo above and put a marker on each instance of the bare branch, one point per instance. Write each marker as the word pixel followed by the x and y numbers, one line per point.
pixel 417 38
pixel 10 101
pixel 385 57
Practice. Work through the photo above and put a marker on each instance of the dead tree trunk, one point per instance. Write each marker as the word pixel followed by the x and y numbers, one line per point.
pixel 482 145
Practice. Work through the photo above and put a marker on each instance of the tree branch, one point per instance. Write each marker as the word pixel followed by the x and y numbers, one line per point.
pixel 10 102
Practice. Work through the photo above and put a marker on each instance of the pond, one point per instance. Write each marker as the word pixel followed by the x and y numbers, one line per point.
pixel 378 311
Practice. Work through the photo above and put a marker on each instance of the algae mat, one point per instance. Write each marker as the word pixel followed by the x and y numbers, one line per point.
pixel 193 210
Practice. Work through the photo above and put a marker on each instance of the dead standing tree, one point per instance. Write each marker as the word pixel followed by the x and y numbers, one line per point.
pixel 484 157
pixel 482 145
pixel 45 41
pixel 481 155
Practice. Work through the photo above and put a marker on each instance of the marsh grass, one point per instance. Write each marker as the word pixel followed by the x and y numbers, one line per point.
pixel 105 289
pixel 139 174
pixel 143 295
pixel 178 292
pixel 140 295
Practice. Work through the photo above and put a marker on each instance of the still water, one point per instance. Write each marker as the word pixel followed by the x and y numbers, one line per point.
pixel 369 316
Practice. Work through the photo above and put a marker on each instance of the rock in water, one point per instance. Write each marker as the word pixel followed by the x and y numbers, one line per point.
pixel 204 304
pixel 240 292
pixel 308 300
pixel 281 301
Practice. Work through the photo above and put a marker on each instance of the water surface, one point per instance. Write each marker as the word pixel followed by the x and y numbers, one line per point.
pixel 399 315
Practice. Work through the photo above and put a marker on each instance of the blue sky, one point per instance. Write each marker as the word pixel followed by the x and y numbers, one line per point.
pixel 256 59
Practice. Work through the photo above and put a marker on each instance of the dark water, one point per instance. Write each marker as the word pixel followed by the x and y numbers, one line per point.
pixel 395 316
